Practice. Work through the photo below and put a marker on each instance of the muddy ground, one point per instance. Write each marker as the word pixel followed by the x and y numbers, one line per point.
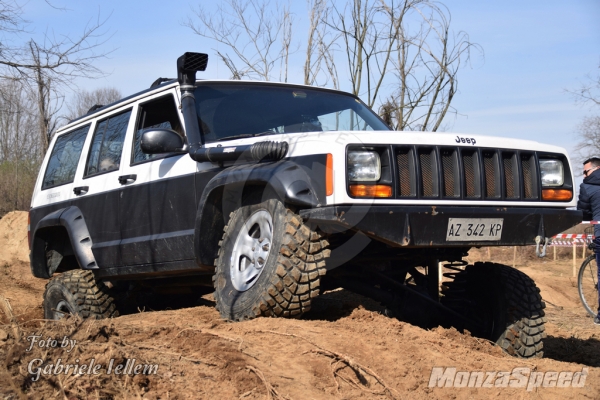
pixel 343 348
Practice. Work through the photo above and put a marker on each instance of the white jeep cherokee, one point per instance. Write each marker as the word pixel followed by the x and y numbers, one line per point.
pixel 272 192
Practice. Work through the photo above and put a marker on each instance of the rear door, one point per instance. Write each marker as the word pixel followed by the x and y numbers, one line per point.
pixel 97 189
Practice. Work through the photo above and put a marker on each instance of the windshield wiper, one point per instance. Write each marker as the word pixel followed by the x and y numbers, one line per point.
pixel 243 135
pixel 265 133
pixel 247 135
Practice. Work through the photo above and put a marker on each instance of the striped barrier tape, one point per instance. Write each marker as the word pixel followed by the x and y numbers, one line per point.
pixel 573 239
pixel 572 236
pixel 563 243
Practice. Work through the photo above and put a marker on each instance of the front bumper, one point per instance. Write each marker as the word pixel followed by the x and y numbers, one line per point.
pixel 426 226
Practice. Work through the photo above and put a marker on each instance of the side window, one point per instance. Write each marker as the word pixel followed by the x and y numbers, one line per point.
pixel 64 158
pixel 105 151
pixel 159 113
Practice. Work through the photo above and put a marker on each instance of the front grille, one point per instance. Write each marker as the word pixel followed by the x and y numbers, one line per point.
pixel 450 173
pixel 492 175
pixel 470 163
pixel 428 173
pixel 529 173
pixel 406 178
pixel 466 173
pixel 511 183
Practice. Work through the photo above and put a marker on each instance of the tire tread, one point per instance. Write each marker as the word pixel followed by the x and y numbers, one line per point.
pixel 525 332
pixel 297 277
pixel 92 299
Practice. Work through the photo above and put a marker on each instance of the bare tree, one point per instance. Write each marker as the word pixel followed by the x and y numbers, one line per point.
pixel 320 46
pixel 588 131
pixel 48 101
pixel 17 122
pixel 360 33
pixel 400 56
pixel 411 40
pixel 35 74
pixel 588 92
pixel 63 58
pixel 49 66
pixel 83 100
pixel 258 35
pixel 19 146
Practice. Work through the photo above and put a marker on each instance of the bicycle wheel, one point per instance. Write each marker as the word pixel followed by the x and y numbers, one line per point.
pixel 587 283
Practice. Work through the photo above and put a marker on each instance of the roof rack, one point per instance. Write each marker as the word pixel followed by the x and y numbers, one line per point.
pixel 160 80
pixel 94 108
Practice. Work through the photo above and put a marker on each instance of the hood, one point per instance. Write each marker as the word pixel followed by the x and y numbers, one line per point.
pixel 314 141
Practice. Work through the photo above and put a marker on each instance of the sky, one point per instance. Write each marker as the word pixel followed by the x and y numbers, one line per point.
pixel 533 52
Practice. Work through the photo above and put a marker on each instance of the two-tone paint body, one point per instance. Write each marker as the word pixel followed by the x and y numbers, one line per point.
pixel 166 216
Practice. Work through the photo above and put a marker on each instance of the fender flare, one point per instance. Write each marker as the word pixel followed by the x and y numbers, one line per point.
pixel 294 183
pixel 72 220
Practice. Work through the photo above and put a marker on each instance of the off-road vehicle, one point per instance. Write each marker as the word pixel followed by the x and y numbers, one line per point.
pixel 271 193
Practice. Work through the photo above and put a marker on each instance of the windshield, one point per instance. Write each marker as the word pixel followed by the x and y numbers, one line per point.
pixel 230 110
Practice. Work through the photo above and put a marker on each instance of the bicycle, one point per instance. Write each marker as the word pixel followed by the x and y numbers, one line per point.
pixel 587 280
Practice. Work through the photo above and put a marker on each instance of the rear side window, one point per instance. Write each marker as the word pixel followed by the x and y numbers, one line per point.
pixel 64 158
pixel 159 113
pixel 107 144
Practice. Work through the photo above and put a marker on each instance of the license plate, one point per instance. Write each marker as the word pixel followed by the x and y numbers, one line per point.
pixel 474 229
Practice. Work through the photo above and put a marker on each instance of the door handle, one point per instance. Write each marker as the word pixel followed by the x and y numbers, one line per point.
pixel 81 190
pixel 125 179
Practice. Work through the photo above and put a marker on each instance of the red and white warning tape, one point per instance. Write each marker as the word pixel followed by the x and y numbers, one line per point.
pixel 567 243
pixel 573 236
pixel 561 243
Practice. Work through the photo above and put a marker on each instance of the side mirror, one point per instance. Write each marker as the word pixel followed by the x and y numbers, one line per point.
pixel 156 141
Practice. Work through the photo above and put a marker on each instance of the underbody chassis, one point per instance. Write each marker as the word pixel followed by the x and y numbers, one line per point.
pixel 406 259
pixel 427 226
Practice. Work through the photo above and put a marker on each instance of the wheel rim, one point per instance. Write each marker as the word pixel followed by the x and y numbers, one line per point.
pixel 251 250
pixel 588 285
pixel 62 308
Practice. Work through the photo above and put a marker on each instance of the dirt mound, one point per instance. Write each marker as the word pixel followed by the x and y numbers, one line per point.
pixel 343 348
pixel 360 355
pixel 13 238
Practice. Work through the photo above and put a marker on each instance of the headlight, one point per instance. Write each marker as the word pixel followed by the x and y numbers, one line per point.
pixel 552 172
pixel 364 166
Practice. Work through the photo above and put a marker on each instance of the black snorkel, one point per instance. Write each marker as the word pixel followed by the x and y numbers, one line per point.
pixel 187 65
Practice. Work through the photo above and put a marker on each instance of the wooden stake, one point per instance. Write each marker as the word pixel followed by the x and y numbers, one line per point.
pixel 440 275
pixel 514 255
pixel 574 261
pixel 554 247
pixel 583 253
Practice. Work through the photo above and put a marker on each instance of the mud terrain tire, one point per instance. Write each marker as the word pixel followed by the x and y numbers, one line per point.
pixel 77 292
pixel 506 302
pixel 289 276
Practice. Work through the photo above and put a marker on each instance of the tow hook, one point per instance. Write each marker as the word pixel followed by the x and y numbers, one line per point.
pixel 541 240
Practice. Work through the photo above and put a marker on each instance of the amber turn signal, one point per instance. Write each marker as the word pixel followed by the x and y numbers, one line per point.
pixel 370 191
pixel 329 175
pixel 557 194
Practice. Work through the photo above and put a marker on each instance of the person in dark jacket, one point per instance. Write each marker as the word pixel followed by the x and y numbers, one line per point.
pixel 589 203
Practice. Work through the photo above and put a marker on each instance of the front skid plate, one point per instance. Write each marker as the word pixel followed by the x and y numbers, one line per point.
pixel 426 226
